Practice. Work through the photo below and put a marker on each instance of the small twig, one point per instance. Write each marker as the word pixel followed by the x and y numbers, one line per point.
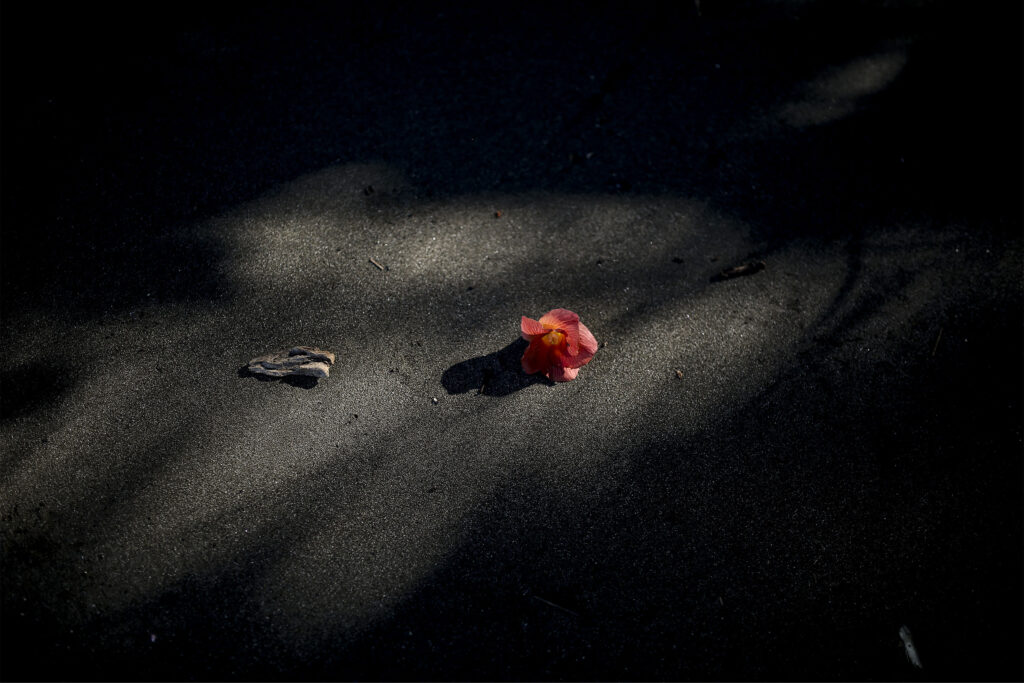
pixel 935 347
pixel 379 266
pixel 548 602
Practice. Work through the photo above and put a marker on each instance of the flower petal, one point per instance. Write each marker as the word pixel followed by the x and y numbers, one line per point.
pixel 560 374
pixel 587 349
pixel 559 319
pixel 531 327
pixel 588 343
pixel 536 357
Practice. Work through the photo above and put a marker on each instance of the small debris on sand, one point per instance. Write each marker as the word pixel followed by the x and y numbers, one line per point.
pixel 558 607
pixel 908 645
pixel 739 271
pixel 935 347
pixel 679 374
pixel 298 360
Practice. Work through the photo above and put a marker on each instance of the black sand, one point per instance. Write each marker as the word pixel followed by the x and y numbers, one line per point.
pixel 838 455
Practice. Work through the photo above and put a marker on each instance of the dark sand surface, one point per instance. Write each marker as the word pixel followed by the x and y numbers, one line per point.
pixel 839 454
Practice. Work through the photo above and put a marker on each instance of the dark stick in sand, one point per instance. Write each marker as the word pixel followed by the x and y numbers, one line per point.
pixel 738 271
pixel 548 602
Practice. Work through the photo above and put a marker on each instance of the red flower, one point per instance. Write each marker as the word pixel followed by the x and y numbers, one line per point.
pixel 559 345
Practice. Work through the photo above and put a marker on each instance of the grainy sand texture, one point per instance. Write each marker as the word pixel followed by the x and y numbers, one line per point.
pixel 767 476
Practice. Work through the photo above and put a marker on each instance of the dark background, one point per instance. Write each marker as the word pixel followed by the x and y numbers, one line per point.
pixel 119 124
pixel 152 116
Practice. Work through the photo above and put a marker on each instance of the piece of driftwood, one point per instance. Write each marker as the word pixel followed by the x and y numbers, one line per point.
pixel 298 360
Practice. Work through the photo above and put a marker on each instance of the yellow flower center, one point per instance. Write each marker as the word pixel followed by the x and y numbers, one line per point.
pixel 553 338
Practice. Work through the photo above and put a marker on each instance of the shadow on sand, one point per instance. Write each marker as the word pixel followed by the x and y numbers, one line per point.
pixel 497 374
pixel 300 381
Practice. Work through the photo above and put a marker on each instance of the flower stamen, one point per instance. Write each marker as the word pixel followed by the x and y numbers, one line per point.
pixel 553 338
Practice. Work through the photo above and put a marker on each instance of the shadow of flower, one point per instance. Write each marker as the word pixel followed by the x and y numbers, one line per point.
pixel 497 374
pixel 300 381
